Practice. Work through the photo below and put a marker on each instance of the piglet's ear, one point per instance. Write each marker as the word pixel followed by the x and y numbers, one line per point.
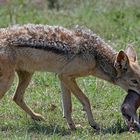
pixel 131 53
pixel 121 62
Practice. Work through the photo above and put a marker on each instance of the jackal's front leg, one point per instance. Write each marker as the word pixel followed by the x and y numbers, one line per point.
pixel 24 79
pixel 73 87
pixel 67 106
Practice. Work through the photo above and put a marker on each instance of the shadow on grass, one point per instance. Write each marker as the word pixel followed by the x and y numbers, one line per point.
pixel 48 130
pixel 53 129
pixel 116 128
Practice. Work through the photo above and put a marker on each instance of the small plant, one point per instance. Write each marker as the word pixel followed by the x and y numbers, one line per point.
pixel 53 4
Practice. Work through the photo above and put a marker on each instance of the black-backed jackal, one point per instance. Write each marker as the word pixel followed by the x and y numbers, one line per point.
pixel 68 53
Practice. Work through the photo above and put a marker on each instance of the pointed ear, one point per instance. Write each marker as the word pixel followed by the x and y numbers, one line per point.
pixel 131 53
pixel 121 62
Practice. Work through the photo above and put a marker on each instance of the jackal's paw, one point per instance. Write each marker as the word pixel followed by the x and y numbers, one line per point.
pixel 95 126
pixel 37 117
pixel 71 126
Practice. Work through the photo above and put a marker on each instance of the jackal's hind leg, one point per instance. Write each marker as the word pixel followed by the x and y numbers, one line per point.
pixel 67 106
pixel 24 79
pixel 73 87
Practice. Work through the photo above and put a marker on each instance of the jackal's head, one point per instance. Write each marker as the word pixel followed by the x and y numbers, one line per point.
pixel 128 70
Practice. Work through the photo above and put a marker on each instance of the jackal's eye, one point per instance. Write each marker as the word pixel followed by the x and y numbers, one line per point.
pixel 134 82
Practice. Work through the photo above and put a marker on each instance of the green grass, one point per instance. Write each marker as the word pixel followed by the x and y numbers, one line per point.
pixel 118 23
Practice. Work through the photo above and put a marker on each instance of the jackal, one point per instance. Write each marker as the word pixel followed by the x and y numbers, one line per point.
pixel 68 53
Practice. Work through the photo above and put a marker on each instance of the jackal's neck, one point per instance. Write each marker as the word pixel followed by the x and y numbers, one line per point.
pixel 95 47
pixel 105 58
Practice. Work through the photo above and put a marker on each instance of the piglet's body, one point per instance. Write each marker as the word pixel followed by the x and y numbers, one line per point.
pixel 129 109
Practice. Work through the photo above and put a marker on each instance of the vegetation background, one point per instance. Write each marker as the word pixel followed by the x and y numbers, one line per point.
pixel 118 22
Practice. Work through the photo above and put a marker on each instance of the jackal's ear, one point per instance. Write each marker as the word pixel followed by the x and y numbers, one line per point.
pixel 131 53
pixel 121 62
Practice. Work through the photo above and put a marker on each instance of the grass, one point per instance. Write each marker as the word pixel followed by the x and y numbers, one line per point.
pixel 118 23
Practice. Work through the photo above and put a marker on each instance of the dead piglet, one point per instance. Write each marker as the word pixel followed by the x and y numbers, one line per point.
pixel 129 110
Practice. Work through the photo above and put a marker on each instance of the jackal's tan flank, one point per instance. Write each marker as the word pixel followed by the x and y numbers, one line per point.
pixel 68 53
